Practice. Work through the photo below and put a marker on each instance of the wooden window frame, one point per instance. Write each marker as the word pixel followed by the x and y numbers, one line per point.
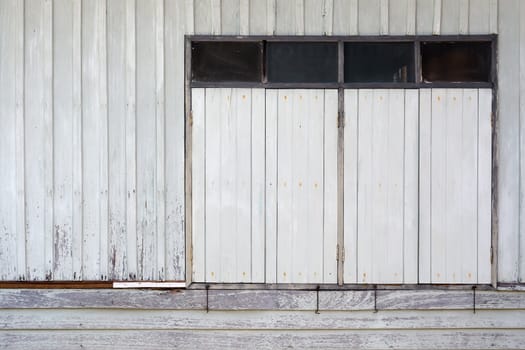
pixel 340 85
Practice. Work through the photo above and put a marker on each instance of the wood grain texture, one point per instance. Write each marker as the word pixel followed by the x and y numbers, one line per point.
pixel 230 17
pixel 369 17
pixel 521 277
pixel 484 186
pixel 94 141
pixel 38 124
pixel 384 196
pixel 479 16
pixel 424 16
pixel 179 20
pixel 66 140
pixel 12 214
pixel 259 299
pixel 345 17
pixel 271 185
pixel 198 198
pixel 425 186
pixel 508 141
pixel 144 320
pixel 119 80
pixel 155 339
pixel 351 141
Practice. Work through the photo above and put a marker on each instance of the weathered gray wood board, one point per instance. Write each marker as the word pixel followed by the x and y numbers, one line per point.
pixel 261 319
pixel 98 319
pixel 92 112
pixel 508 154
pixel 162 339
pixel 298 300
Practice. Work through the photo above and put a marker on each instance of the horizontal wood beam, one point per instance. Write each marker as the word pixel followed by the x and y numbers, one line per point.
pixel 179 299
pixel 114 319
pixel 362 339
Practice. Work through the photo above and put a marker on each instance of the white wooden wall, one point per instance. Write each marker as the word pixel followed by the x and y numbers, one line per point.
pixel 264 185
pixel 92 116
pixel 455 185
pixel 381 185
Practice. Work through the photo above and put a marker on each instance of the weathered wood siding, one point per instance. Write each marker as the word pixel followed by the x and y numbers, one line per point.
pixel 92 116
pixel 45 319
pixel 237 134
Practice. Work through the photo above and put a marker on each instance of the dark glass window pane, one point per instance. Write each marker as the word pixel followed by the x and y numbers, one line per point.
pixel 456 61
pixel 379 62
pixel 226 61
pixel 302 62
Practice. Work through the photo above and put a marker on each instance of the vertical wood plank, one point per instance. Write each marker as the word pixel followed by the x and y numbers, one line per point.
pixel 398 16
pixel 187 14
pixel 313 17
pixel 393 244
pixel 131 141
pixel 450 17
pixel 479 17
pixel 302 233
pixel 258 202
pixel 384 14
pixel 244 17
pixel 12 259
pixel 313 186
pixel 508 141
pixel 271 185
pixel 147 119
pixel 484 212
pixel 411 17
pixel 438 190
pixel 207 16
pixel 425 176
pixel 271 17
pixel 202 16
pixel 160 169
pixel 437 17
pixel 178 21
pixel 424 17
pixel 118 81
pixel 198 102
pixel 411 188
pixel 19 95
pixel 258 17
pixel 77 222
pixel 380 198
pixel 94 140
pixel 345 17
pixel 285 204
pixel 285 17
pixel 230 19
pixel 454 194
pixel 39 138
pixel 330 187
pixel 225 232
pixel 369 20
pixel 242 239
pixel 216 20
pixel 464 16
pixel 65 101
pixel 468 163
pixel 521 276
pixel 299 17
pixel 493 16
pixel 365 174
pixel 328 17
pixel 351 139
